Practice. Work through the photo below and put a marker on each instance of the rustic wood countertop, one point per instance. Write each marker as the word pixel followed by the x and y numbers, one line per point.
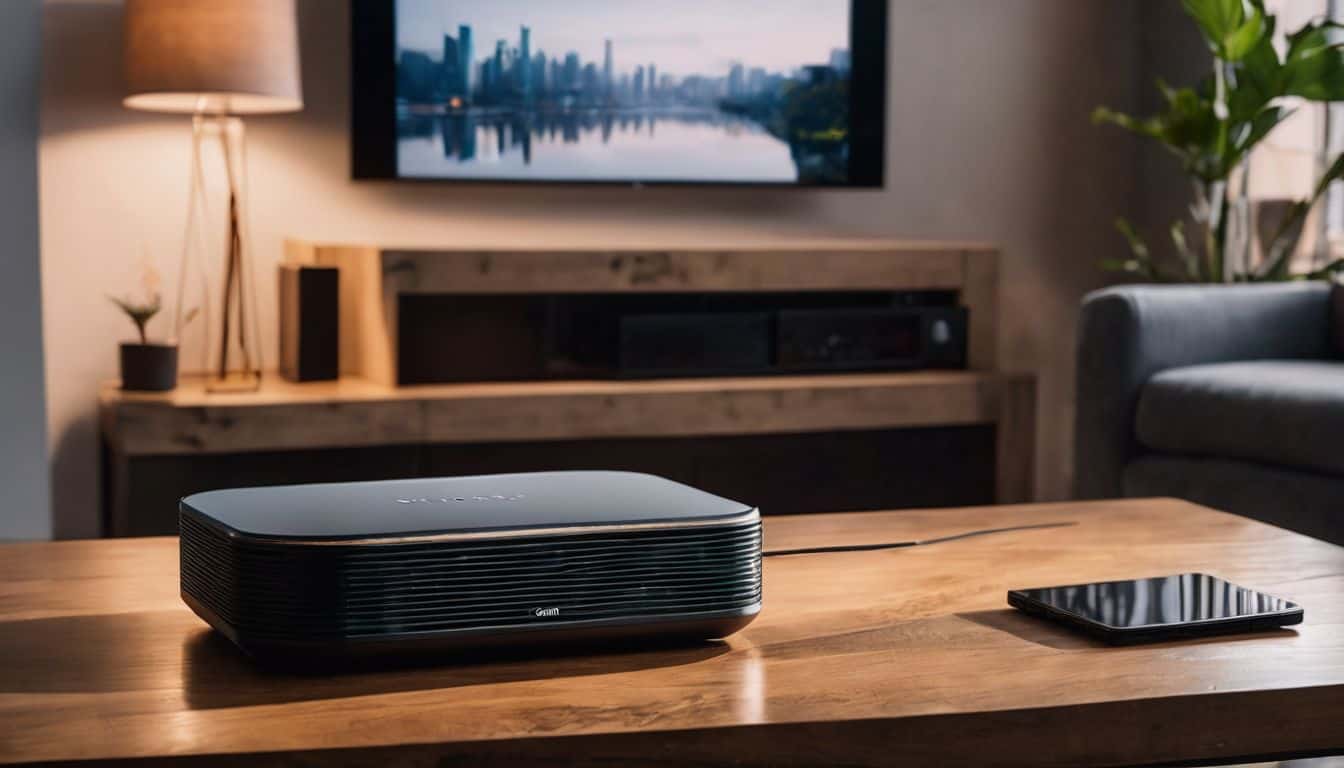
pixel 900 656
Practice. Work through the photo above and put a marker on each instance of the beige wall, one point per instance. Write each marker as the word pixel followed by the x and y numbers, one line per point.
pixel 988 140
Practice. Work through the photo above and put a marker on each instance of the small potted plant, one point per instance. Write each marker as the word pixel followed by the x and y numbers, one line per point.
pixel 146 366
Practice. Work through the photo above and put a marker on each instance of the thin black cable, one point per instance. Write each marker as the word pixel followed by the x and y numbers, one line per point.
pixel 913 542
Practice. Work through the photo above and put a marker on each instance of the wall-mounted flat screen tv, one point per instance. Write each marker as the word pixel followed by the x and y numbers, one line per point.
pixel 750 92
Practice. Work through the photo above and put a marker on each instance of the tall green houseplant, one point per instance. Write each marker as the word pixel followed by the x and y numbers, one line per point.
pixel 1212 129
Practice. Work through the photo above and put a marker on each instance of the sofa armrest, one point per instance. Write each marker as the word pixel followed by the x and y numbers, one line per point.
pixel 1129 333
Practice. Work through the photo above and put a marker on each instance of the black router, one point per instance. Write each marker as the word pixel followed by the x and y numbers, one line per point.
pixel 495 560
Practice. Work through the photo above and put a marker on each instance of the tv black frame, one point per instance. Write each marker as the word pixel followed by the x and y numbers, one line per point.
pixel 373 113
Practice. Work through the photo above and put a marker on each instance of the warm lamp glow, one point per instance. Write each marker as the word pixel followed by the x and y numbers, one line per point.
pixel 236 57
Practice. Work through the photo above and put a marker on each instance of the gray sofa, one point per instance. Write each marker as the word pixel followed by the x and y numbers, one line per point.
pixel 1229 396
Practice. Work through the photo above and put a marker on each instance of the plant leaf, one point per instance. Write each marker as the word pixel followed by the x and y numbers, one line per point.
pixel 1136 267
pixel 1257 79
pixel 1335 267
pixel 1189 259
pixel 1331 175
pixel 1284 242
pixel 1141 263
pixel 1316 78
pixel 1310 39
pixel 139 313
pixel 1187 127
pixel 1240 42
pixel 1313 67
pixel 1143 126
pixel 1120 265
pixel 1262 124
pixel 1136 244
pixel 1245 136
pixel 1217 19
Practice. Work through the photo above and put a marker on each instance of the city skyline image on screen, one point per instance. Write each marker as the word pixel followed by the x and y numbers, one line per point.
pixel 734 91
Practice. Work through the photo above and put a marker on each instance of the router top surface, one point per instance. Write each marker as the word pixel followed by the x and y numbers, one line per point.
pixel 475 504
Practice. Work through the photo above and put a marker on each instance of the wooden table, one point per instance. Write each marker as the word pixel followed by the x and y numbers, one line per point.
pixel 900 656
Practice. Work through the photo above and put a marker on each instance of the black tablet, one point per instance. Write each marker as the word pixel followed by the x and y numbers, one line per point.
pixel 1160 608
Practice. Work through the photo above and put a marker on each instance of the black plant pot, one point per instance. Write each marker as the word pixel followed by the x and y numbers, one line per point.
pixel 148 367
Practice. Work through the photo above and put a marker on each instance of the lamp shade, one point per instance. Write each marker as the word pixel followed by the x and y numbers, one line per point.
pixel 222 57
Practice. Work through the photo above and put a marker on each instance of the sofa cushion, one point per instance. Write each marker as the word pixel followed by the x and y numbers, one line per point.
pixel 1285 412
pixel 1337 316
pixel 1306 502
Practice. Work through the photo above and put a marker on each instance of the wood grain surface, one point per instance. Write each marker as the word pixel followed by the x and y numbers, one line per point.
pixel 357 412
pixel 713 265
pixel 891 657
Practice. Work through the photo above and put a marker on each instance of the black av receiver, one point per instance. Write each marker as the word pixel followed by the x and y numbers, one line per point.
pixel 499 338
pixel 857 339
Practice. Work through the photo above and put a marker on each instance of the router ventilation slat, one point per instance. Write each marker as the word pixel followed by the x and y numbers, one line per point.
pixel 345 591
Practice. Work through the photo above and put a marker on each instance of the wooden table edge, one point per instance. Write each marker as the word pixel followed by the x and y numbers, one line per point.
pixel 1283 726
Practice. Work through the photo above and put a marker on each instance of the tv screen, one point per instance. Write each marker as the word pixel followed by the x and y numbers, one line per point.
pixel 768 92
